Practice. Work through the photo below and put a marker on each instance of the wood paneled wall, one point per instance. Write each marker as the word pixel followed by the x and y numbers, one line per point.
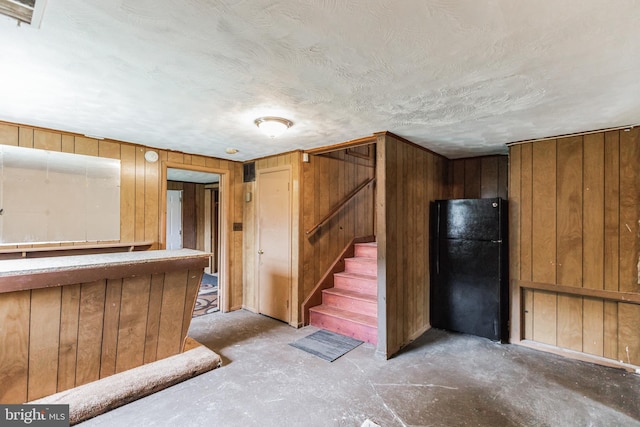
pixel 250 235
pixel 57 338
pixel 408 179
pixel 574 210
pixel 140 181
pixel 479 177
pixel 318 186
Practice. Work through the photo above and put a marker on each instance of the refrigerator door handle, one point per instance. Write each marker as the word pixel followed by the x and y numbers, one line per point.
pixel 438 242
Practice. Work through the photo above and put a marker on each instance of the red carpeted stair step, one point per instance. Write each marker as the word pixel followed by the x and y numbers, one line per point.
pixel 364 283
pixel 355 325
pixel 356 302
pixel 369 250
pixel 361 265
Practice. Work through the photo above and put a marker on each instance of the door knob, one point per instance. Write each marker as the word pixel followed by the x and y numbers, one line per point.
pixel 260 251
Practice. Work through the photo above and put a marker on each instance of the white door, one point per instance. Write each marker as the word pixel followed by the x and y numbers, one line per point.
pixel 174 219
pixel 274 243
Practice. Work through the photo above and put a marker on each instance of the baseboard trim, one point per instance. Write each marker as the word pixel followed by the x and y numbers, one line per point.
pixel 576 355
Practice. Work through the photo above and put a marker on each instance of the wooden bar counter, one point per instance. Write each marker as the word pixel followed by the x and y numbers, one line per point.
pixel 69 320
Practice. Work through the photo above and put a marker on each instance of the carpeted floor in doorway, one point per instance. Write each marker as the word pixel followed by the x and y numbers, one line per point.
pixel 207 301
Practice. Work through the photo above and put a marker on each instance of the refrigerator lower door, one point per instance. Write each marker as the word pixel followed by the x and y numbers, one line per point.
pixel 465 292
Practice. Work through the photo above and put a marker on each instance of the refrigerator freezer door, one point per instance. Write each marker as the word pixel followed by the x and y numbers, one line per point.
pixel 466 298
pixel 470 219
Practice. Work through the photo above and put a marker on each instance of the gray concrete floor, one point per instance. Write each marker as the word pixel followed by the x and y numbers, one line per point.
pixel 441 379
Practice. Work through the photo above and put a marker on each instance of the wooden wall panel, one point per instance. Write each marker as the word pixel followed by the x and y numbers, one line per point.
pixel 593 327
pixel 593 212
pixel 67 353
pixel 544 316
pixel 319 185
pixel 127 193
pixel 403 202
pixel 629 202
pixel 478 177
pixel 544 212
pixel 568 198
pixel 9 134
pixel 488 177
pixel 133 322
pixel 15 313
pixel 171 313
pixel 111 318
pixel 628 340
pixel 90 344
pixel 141 213
pixel 526 213
pixel 189 229
pixel 472 176
pixel 611 210
pixel 456 179
pixel 583 207
pixel 44 336
pixel 610 330
pixel 153 318
pixel 25 137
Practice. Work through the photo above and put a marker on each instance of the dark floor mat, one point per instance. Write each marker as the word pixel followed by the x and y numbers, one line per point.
pixel 326 345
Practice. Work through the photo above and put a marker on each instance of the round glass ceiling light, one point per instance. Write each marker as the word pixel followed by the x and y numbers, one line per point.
pixel 273 126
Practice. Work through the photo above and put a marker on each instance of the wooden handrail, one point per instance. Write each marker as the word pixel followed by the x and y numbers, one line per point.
pixel 339 207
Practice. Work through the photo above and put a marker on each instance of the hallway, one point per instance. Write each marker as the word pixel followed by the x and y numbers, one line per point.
pixel 442 379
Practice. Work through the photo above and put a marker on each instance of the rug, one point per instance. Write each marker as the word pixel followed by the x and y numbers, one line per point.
pixel 326 345
pixel 88 400
pixel 207 301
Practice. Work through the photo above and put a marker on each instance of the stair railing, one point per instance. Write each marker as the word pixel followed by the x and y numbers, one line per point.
pixel 338 207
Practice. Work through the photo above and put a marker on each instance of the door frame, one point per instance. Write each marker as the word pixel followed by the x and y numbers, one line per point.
pixel 224 225
pixel 292 283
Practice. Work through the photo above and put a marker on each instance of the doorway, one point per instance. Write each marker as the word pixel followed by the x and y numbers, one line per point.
pixel 274 242
pixel 194 220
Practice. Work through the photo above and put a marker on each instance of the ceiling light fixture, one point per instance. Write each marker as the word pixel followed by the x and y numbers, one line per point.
pixel 273 126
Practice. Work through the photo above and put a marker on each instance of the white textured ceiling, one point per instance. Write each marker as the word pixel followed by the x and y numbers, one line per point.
pixel 461 77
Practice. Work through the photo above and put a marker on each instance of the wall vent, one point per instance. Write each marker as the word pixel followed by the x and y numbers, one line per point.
pixel 249 172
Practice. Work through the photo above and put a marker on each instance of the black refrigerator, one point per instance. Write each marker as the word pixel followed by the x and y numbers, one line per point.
pixel 469 267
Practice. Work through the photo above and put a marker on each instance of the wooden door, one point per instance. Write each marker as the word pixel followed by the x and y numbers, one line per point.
pixel 274 242
pixel 174 219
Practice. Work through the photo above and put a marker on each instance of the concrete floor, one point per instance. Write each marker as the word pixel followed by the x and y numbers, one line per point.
pixel 442 379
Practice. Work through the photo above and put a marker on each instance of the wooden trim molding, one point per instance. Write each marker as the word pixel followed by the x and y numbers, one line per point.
pixel 343 145
pixel 627 297
pixel 413 144
pixel 576 355
pixel 567 135
pixel 46 251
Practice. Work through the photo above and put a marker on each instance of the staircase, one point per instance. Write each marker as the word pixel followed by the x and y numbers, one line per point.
pixel 351 306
